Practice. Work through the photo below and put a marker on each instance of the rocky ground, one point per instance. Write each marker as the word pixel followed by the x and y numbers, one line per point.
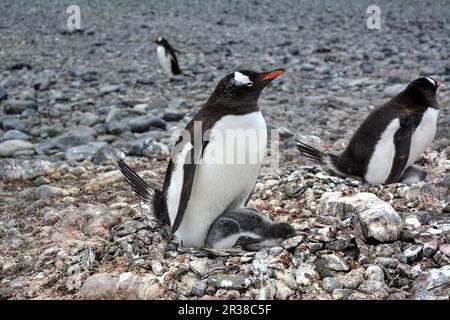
pixel 71 103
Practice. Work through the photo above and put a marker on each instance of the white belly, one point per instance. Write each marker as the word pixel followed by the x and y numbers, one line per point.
pixel 380 163
pixel 164 60
pixel 423 135
pixel 226 176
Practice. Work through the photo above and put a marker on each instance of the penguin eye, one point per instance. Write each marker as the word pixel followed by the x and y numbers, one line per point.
pixel 249 84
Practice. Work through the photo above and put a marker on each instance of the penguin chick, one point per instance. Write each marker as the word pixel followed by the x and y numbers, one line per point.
pixel 248 228
pixel 390 140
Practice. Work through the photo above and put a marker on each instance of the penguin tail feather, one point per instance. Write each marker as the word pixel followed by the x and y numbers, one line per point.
pixel 310 152
pixel 328 159
pixel 147 193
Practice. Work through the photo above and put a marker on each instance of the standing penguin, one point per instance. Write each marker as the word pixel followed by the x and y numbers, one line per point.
pixel 209 172
pixel 166 57
pixel 248 228
pixel 386 145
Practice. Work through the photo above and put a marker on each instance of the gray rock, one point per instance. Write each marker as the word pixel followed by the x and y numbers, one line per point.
pixel 292 243
pixel 107 154
pixel 335 263
pixel 342 294
pixel 308 67
pixel 229 281
pixel 176 103
pixel 371 286
pixel 172 116
pixel 283 292
pixel 198 289
pixel 17 169
pixel 413 253
pixel 145 123
pixel 99 286
pixel 41 181
pixel 432 284
pixel 324 68
pixel 19 106
pixel 429 248
pixel 116 127
pixel 116 114
pixel 378 219
pixel 81 131
pixel 101 223
pixel 89 119
pixel 3 93
pixel 305 274
pixel 329 284
pixel 15 135
pixel 352 279
pixel 83 152
pixel 157 267
pixel 50 218
pixel 9 147
pixel 106 89
pixel 47 191
pixel 16 124
pixel 393 90
pixel 157 150
pixel 66 142
pixel 374 273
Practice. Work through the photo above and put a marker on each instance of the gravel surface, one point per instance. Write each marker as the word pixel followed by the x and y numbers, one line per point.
pixel 73 102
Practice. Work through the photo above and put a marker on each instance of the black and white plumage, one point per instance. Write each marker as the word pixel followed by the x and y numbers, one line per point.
pixel 390 140
pixel 208 176
pixel 166 57
pixel 247 228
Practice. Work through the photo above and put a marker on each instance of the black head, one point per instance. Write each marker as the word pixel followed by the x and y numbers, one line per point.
pixel 422 91
pixel 281 231
pixel 243 86
pixel 161 41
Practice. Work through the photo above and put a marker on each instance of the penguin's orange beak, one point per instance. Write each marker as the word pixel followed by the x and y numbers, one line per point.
pixel 273 74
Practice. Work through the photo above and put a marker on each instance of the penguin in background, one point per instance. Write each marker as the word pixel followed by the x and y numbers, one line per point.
pixel 247 228
pixel 389 141
pixel 204 177
pixel 166 57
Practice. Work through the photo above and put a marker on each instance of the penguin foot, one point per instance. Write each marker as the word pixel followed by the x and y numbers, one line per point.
pixel 413 175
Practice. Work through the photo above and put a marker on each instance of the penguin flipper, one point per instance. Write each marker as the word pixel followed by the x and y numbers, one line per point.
pixel 175 67
pixel 189 169
pixel 402 142
pixel 150 195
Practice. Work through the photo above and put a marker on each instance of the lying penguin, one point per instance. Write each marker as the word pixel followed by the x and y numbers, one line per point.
pixel 247 228
pixel 386 145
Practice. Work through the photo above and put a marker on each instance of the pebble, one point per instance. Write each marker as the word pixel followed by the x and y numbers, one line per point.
pixel 335 263
pixel 9 147
pixel 19 106
pixel 379 220
pixel 107 89
pixel 329 284
pixel 47 191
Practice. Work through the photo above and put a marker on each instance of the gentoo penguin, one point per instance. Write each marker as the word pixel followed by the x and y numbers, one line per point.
pixel 166 57
pixel 248 228
pixel 390 140
pixel 216 160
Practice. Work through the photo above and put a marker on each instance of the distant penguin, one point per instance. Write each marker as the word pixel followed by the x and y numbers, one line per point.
pixel 247 228
pixel 217 171
pixel 166 57
pixel 390 140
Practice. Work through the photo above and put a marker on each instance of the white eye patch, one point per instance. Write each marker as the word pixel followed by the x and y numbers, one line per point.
pixel 241 79
pixel 159 39
pixel 432 81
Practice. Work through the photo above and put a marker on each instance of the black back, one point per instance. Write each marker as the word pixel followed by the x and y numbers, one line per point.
pixel 409 106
